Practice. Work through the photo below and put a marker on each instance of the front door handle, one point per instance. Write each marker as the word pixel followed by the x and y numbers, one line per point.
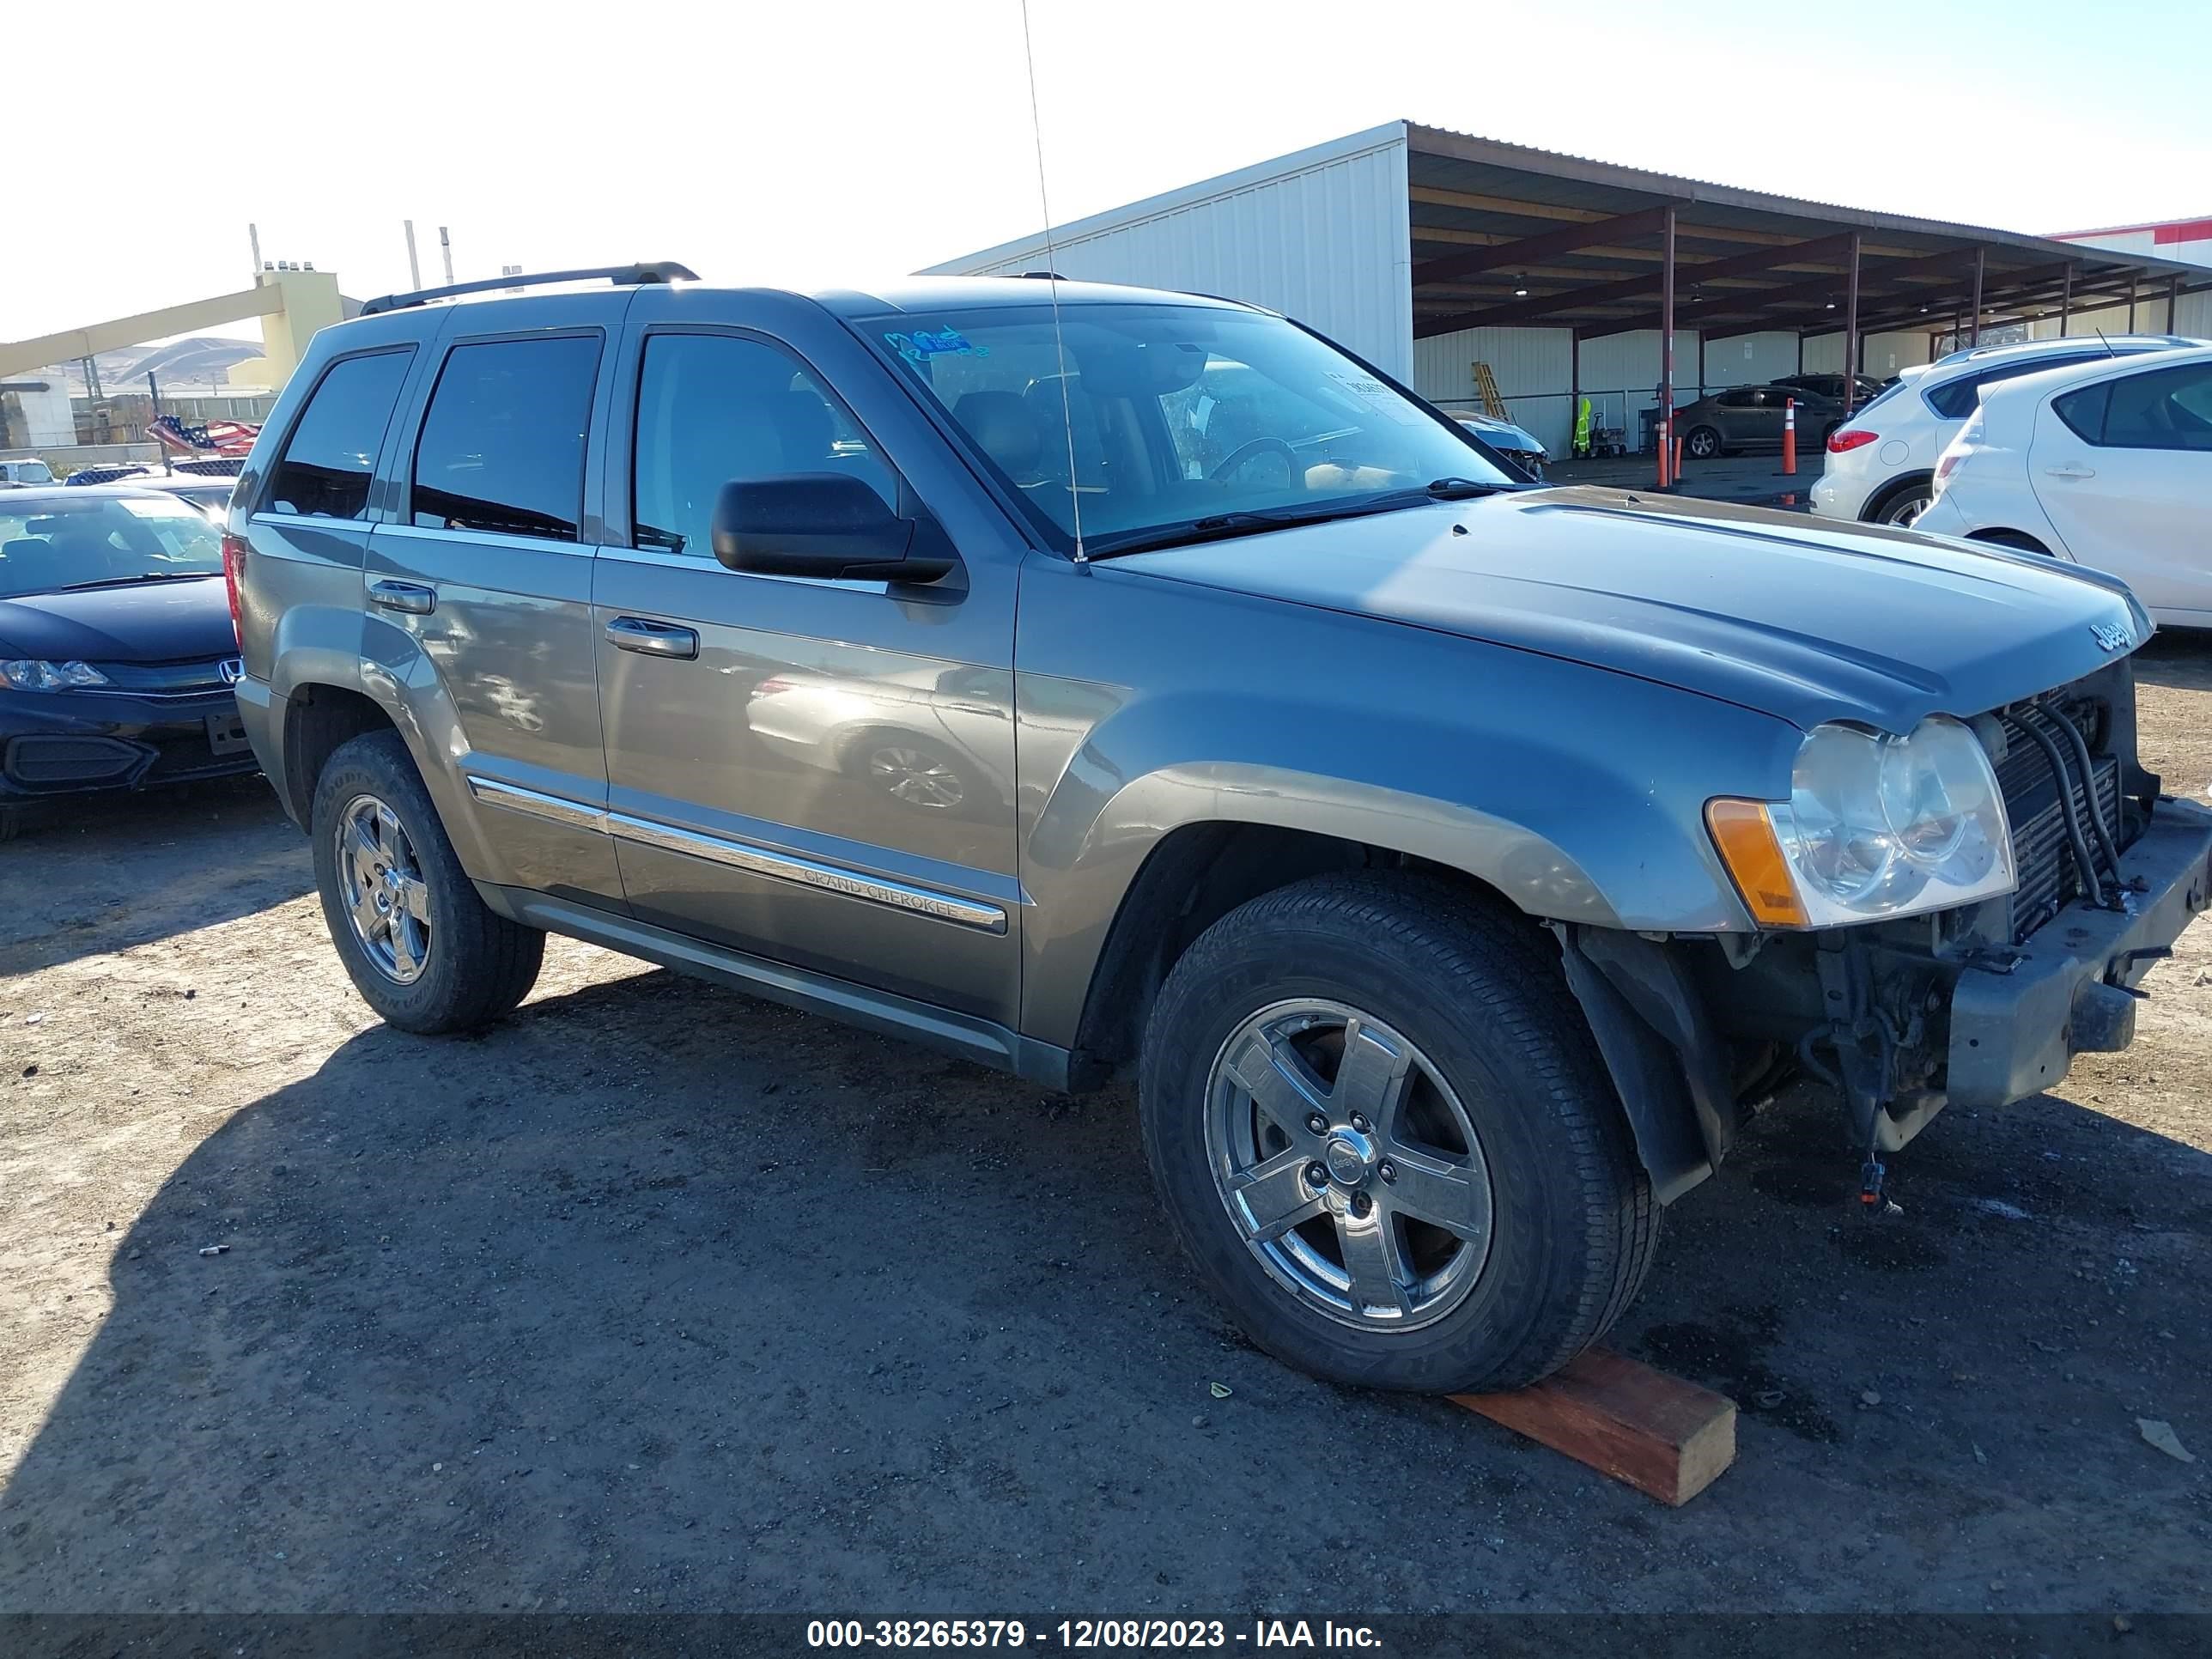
pixel 410 597
pixel 655 639
pixel 2071 472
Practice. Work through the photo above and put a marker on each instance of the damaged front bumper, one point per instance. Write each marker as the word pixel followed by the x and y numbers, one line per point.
pixel 2019 1017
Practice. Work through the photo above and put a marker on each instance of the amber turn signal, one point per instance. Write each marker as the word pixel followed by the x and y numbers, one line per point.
pixel 1744 833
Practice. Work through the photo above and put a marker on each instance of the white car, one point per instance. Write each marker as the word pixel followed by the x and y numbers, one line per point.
pixel 2108 463
pixel 1881 465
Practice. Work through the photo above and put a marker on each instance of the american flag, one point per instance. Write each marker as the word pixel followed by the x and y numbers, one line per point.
pixel 209 438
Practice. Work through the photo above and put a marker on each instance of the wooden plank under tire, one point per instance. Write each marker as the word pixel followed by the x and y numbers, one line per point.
pixel 1667 1439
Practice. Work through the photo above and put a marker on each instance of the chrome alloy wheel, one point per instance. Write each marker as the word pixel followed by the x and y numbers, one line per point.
pixel 1348 1165
pixel 381 884
pixel 916 777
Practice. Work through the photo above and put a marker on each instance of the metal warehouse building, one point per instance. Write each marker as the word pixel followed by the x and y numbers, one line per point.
pixel 1429 252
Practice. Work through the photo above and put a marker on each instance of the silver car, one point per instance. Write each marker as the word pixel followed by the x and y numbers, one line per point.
pixel 1113 684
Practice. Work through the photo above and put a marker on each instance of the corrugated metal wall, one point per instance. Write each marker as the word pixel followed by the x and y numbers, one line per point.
pixel 2193 316
pixel 1881 355
pixel 1322 236
pixel 1534 371
pixel 1530 365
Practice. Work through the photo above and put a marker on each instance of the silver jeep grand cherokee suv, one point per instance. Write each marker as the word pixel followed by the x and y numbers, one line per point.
pixel 1140 683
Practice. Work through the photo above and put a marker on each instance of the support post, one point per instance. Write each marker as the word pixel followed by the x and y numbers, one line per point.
pixel 1666 424
pixel 2173 305
pixel 1801 351
pixel 1574 390
pixel 1851 333
pixel 2131 305
pixel 1701 362
pixel 414 267
pixel 2065 301
pixel 1981 263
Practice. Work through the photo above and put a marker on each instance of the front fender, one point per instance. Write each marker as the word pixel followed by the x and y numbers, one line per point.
pixel 1577 792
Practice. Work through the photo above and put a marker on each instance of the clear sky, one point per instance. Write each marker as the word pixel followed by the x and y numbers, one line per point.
pixel 818 143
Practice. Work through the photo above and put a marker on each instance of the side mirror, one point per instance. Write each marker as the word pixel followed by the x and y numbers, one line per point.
pixel 825 525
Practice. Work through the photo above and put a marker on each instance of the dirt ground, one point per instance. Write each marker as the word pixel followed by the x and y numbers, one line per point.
pixel 655 1299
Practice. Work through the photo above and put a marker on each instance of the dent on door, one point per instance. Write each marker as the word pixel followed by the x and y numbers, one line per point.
pixel 509 694
pixel 844 807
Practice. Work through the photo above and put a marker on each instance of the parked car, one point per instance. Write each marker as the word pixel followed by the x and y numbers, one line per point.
pixel 1881 469
pixel 1830 386
pixel 1752 417
pixel 117 652
pixel 116 473
pixel 1452 860
pixel 210 495
pixel 1517 444
pixel 31 472
pixel 2107 463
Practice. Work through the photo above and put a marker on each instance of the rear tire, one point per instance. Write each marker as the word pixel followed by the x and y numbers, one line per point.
pixel 1901 503
pixel 431 957
pixel 1490 1039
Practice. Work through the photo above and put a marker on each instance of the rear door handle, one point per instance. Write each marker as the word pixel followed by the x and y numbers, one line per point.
pixel 2071 472
pixel 410 597
pixel 655 639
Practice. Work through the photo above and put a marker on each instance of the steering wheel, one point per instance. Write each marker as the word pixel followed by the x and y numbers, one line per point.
pixel 1244 452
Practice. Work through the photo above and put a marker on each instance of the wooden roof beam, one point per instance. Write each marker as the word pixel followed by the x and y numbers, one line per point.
pixel 1567 239
pixel 1639 286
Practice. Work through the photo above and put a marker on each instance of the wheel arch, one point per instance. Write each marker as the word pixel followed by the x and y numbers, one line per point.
pixel 320 718
pixel 1880 501
pixel 1092 988
pixel 2018 540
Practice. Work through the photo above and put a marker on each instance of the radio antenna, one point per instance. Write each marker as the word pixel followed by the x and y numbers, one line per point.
pixel 1052 276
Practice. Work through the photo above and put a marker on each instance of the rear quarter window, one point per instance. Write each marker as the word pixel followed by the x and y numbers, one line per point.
pixel 2083 412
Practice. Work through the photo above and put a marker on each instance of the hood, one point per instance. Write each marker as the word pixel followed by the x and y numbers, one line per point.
pixel 1788 615
pixel 186 620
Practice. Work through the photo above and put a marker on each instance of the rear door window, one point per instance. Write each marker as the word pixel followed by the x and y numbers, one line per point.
pixel 1956 399
pixel 502 445
pixel 324 473
pixel 2166 409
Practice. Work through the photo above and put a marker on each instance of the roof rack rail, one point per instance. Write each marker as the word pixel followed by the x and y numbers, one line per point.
pixel 664 270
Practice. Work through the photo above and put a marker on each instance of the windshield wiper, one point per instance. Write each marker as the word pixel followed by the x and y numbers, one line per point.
pixel 127 581
pixel 1222 526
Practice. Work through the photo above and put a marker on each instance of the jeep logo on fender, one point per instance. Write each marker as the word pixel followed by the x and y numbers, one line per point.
pixel 2112 635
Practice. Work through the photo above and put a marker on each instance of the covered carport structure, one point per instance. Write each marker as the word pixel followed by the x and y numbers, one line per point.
pixel 1503 236
pixel 1432 251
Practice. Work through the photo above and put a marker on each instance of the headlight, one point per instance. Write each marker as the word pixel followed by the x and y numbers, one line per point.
pixel 30 674
pixel 1874 826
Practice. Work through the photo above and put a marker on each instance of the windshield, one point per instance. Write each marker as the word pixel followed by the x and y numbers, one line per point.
pixel 62 541
pixel 1179 413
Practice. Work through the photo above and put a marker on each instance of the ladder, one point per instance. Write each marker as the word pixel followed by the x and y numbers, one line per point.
pixel 1486 384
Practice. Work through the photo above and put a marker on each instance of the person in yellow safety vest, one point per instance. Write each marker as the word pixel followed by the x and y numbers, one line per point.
pixel 1581 429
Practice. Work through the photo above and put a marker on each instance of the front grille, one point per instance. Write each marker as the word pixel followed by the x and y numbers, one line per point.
pixel 160 679
pixel 2049 879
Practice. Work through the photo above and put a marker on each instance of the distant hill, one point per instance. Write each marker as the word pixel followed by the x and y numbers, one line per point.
pixel 203 359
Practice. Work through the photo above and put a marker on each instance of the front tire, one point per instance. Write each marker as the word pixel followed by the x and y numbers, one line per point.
pixel 1380 1127
pixel 1704 443
pixel 422 948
